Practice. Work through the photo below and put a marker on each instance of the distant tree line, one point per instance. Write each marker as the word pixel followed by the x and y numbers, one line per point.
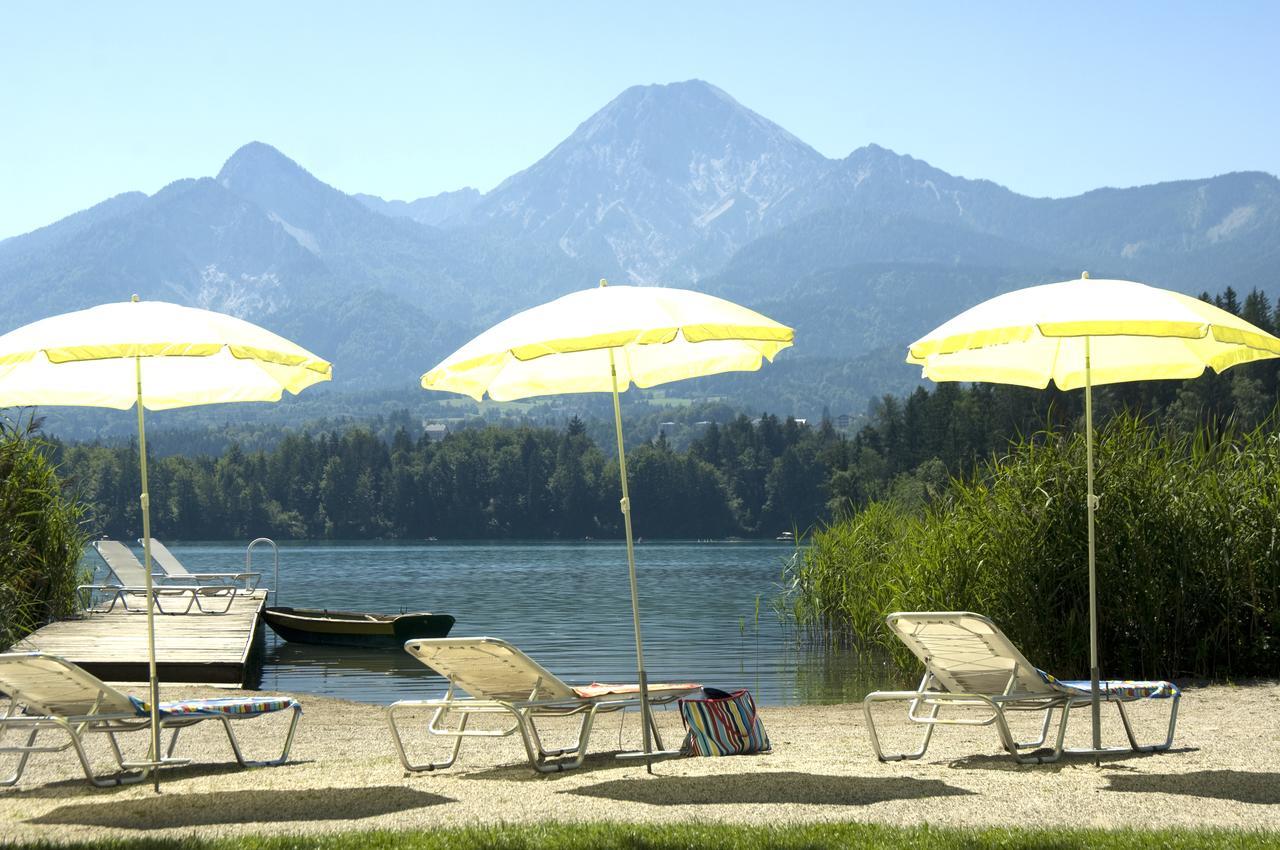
pixel 740 476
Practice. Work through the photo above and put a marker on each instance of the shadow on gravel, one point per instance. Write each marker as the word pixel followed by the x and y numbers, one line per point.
pixel 76 786
pixel 522 772
pixel 1239 785
pixel 782 787
pixel 1069 761
pixel 219 807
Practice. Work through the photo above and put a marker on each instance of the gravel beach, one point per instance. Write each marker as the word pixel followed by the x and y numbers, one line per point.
pixel 1224 770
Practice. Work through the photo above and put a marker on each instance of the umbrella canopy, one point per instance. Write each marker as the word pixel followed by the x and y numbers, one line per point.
pixel 604 340
pixel 1084 332
pixel 188 357
pixel 653 336
pixel 158 356
pixel 1135 332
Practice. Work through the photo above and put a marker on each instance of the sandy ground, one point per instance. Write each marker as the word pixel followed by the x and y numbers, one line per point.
pixel 1224 770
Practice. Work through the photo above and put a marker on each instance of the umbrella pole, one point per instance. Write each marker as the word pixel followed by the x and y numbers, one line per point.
pixel 646 720
pixel 1092 501
pixel 145 499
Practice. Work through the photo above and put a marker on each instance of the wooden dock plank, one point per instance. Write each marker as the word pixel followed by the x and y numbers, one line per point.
pixel 190 648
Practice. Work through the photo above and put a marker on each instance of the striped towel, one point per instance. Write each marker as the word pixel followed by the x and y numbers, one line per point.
pixel 225 707
pixel 1117 690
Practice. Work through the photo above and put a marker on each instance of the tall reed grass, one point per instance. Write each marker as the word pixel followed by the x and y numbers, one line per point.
pixel 41 537
pixel 1188 555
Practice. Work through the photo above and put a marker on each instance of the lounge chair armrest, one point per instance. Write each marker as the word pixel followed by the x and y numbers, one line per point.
pixel 227 575
pixel 245 580
pixel 111 587
pixel 249 579
pixel 86 592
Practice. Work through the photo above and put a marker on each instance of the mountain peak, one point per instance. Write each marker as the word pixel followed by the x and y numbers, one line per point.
pixel 253 161
pixel 659 172
pixel 689 113
pixel 305 206
pixel 685 89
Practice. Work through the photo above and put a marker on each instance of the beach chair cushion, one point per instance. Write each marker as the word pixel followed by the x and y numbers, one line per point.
pixel 1117 690
pixel 596 689
pixel 219 707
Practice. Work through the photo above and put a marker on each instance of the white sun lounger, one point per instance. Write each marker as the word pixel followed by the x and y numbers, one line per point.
pixel 970 664
pixel 49 693
pixel 500 679
pixel 132 577
pixel 174 570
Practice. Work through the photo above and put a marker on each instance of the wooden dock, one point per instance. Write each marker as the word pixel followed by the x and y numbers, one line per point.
pixel 194 648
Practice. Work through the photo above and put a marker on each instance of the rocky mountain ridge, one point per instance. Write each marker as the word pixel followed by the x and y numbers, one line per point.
pixel 675 184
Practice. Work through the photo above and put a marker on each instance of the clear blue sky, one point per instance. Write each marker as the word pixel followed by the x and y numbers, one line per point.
pixel 406 100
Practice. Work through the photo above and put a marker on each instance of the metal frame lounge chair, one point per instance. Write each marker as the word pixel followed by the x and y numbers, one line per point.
pixel 174 570
pixel 47 692
pixel 132 578
pixel 502 680
pixel 970 664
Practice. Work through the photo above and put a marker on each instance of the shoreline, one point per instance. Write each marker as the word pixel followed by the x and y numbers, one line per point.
pixel 1223 771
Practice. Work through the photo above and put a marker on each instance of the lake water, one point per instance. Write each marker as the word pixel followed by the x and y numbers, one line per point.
pixel 706 612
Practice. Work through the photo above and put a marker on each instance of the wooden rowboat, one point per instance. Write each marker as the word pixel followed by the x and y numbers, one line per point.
pixel 354 628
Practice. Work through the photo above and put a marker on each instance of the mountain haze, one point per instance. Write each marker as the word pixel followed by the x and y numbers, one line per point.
pixel 675 184
pixel 447 208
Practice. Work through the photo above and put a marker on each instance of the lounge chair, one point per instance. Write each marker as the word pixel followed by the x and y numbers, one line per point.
pixel 970 664
pixel 131 578
pixel 48 692
pixel 174 570
pixel 501 679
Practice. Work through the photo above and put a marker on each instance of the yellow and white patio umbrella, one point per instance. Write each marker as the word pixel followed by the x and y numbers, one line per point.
pixel 1086 332
pixel 158 356
pixel 604 340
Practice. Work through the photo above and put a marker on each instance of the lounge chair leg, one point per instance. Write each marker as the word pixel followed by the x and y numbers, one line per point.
pixel 284 754
pixel 1044 733
pixel 115 749
pixel 653 727
pixel 199 600
pixel 1014 748
pixel 1150 748
pixel 22 760
pixel 546 761
pixel 1128 727
pixel 173 743
pixel 418 767
pixel 124 777
pixel 875 735
pixel 544 753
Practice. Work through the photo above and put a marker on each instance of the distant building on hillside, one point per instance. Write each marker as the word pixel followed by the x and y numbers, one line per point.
pixel 435 430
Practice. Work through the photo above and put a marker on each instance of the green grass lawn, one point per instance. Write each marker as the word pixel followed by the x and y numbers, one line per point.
pixel 719 837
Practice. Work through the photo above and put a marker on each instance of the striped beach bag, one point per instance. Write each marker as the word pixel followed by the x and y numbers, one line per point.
pixel 723 724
